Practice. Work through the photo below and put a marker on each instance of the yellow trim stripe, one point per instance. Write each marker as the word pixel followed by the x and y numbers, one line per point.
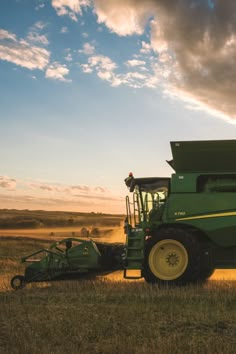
pixel 208 216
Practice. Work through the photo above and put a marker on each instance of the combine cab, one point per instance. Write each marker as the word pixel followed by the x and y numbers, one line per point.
pixel 180 229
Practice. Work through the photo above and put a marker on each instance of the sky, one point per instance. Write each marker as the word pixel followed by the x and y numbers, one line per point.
pixel 91 90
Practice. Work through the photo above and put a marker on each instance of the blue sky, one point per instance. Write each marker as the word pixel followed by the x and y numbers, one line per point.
pixel 91 90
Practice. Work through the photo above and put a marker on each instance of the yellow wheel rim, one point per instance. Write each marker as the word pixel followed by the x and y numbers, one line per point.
pixel 168 259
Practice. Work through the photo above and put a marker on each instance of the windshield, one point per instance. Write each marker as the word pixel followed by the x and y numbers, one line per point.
pixel 153 200
pixel 150 197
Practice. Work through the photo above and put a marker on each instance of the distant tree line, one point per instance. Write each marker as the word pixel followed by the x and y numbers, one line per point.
pixel 15 223
pixel 40 220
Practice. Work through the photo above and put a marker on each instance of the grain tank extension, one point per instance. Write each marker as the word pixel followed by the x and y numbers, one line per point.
pixel 180 229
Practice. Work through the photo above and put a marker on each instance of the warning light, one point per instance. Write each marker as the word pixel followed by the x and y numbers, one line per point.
pixel 131 174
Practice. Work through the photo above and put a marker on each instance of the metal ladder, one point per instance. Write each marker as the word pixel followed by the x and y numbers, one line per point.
pixel 135 242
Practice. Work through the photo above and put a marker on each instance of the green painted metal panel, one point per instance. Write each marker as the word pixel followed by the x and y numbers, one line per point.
pixel 213 213
pixel 183 183
pixel 204 156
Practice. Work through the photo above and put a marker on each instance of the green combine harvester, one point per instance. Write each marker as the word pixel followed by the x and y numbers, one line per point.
pixel 179 229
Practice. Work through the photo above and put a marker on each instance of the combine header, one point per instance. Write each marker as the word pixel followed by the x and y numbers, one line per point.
pixel 68 259
pixel 179 229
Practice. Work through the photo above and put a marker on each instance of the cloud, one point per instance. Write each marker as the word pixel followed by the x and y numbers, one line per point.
pixel 146 48
pixel 80 188
pixel 104 68
pixel 193 104
pixel 7 183
pixel 124 17
pixel 57 71
pixel 107 70
pixel 99 197
pixel 71 8
pixel 52 196
pixel 7 35
pixel 86 68
pixel 136 75
pixel 64 29
pixel 74 190
pixel 102 62
pixel 37 38
pixel 46 187
pixel 135 62
pixel 88 49
pixel 20 52
pixel 195 42
pixel 40 6
pixel 39 25
pixel 100 189
pixel 68 57
pixel 105 75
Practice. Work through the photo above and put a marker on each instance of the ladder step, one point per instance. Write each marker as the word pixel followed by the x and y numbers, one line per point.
pixel 138 267
pixel 134 258
pixel 134 248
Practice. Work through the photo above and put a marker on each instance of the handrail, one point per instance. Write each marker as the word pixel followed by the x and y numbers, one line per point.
pixel 128 210
pixel 137 213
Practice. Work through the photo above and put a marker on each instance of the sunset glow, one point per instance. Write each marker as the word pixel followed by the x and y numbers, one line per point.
pixel 91 89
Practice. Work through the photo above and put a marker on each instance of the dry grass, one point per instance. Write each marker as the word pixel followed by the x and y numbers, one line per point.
pixel 108 315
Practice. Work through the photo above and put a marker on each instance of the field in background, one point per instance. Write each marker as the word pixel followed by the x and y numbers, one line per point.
pixel 115 234
pixel 38 219
pixel 109 315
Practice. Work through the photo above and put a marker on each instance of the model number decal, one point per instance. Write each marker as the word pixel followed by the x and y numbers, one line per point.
pixel 180 213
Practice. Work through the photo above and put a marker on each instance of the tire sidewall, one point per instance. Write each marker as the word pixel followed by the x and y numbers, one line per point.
pixel 192 247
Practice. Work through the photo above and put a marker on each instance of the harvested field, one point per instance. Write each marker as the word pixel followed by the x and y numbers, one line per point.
pixel 111 315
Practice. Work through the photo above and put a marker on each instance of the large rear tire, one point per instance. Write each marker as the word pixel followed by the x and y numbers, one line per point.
pixel 172 257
